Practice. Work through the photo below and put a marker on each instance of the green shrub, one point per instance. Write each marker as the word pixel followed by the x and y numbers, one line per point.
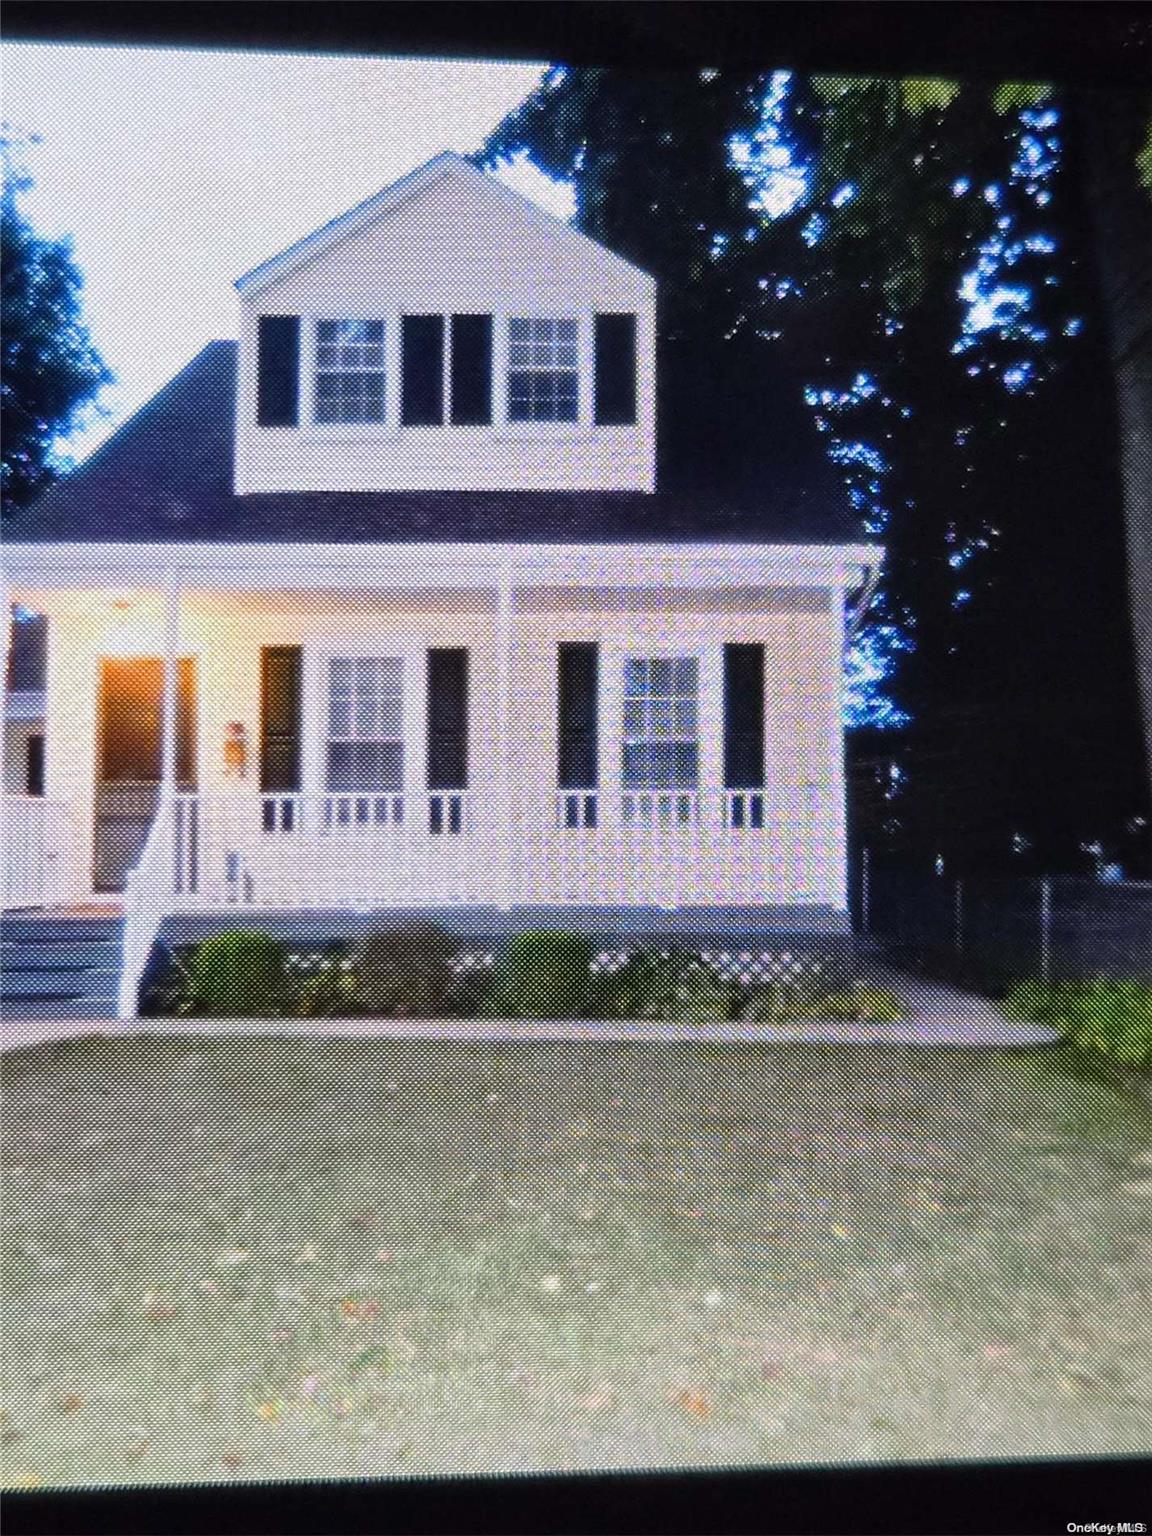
pixel 1112 1017
pixel 238 974
pixel 543 973
pixel 319 984
pixel 777 1002
pixel 669 985
pixel 406 971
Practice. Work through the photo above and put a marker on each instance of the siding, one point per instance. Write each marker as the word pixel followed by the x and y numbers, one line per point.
pixel 451 250
pixel 799 858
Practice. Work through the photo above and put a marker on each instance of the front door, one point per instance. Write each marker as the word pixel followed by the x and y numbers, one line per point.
pixel 129 753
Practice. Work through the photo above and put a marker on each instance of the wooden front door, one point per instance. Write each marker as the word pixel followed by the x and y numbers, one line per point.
pixel 129 752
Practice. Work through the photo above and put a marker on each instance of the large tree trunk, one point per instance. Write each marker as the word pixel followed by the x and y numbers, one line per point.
pixel 1112 128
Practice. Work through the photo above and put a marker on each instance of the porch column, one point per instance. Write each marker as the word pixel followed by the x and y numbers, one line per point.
pixel 504 734
pixel 171 687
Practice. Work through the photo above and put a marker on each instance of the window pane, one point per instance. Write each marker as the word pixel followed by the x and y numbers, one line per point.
pixel 635 676
pixel 661 678
pixel 685 669
pixel 663 720
pixel 365 765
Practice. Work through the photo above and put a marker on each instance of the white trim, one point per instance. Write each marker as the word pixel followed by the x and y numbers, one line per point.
pixel 446 164
pixel 286 566
pixel 317 654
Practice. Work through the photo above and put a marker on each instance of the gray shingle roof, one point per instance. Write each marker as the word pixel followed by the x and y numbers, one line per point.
pixel 166 476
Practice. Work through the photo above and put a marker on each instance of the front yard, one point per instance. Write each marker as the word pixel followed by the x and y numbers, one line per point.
pixel 243 1258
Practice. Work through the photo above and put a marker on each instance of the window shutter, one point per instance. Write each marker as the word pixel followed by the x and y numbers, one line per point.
pixel 744 716
pixel 278 370
pixel 280 717
pixel 471 370
pixel 448 718
pixel 422 371
pixel 615 371
pixel 578 668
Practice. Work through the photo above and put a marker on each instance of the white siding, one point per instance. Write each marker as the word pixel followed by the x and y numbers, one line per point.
pixel 455 247
pixel 799 856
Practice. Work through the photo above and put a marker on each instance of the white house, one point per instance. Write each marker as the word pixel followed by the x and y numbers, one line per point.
pixel 382 607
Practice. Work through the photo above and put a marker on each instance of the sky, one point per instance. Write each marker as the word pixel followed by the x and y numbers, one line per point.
pixel 176 170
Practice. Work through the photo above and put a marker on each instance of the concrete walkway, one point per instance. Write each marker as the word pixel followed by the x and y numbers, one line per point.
pixel 935 1014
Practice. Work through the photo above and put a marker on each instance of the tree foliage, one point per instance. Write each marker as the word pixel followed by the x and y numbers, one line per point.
pixel 50 368
pixel 918 251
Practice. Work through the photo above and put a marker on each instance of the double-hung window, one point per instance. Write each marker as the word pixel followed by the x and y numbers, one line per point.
pixel 349 371
pixel 543 369
pixel 365 747
pixel 661 739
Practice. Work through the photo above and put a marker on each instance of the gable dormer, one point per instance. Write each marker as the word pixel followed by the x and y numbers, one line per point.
pixel 447 334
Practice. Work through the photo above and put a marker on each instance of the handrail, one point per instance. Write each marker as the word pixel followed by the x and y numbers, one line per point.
pixel 147 897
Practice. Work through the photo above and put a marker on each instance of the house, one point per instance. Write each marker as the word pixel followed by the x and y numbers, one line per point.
pixel 381 607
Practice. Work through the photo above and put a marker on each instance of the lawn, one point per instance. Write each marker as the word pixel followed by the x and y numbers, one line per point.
pixel 270 1259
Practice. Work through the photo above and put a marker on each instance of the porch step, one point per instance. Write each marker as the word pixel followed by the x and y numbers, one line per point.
pixel 58 983
pixel 59 965
pixel 56 1008
pixel 80 954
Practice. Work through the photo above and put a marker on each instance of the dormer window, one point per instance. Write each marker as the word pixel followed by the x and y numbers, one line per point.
pixel 543 369
pixel 350 371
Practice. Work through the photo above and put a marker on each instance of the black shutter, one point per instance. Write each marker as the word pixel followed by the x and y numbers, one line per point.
pixel 471 370
pixel 278 370
pixel 615 371
pixel 34 766
pixel 448 718
pixel 422 371
pixel 280 712
pixel 744 716
pixel 578 670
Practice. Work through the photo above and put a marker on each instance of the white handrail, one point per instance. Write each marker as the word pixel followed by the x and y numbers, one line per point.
pixel 148 893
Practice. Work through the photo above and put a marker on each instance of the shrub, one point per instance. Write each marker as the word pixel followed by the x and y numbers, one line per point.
pixel 319 983
pixel 667 984
pixel 406 971
pixel 237 975
pixel 1112 1017
pixel 543 973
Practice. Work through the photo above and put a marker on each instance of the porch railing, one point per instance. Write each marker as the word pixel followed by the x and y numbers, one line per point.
pixel 665 848
pixel 659 847
pixel 36 836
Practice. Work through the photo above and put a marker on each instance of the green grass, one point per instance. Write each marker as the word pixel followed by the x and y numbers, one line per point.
pixel 276 1259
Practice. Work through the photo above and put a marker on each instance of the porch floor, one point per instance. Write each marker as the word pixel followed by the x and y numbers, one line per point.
pixel 473 921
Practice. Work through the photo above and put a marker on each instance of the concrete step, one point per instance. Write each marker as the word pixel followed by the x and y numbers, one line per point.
pixel 44 930
pixel 70 955
pixel 58 983
pixel 14 1009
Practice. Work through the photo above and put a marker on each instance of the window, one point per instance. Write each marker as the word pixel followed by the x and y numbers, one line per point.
pixel 543 370
pixel 365 724
pixel 661 742
pixel 349 370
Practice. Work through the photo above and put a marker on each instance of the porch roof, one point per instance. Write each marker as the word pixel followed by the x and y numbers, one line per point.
pixel 166 477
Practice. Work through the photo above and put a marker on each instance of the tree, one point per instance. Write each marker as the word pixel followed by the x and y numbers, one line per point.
pixel 50 368
pixel 926 274
pixel 1113 135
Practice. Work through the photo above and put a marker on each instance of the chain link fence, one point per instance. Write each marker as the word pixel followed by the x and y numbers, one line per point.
pixel 987 933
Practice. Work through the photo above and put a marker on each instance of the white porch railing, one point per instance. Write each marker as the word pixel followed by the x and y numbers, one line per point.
pixel 665 848
pixel 36 836
pixel 652 847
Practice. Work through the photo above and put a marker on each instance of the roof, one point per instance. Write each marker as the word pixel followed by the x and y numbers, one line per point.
pixel 167 474
pixel 447 163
